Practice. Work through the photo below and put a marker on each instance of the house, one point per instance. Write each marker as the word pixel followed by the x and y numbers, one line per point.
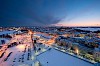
pixel 97 52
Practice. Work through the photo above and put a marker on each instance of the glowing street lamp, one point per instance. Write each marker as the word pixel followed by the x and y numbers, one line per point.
pixel 76 51
pixel 30 32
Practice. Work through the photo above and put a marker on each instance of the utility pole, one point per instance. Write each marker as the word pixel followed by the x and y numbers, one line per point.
pixel 30 32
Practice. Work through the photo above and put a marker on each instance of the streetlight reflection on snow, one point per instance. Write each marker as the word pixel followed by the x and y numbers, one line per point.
pixel 21 47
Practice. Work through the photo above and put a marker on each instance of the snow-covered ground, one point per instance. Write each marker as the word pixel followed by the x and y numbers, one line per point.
pixel 15 59
pixel 6 40
pixel 56 58
pixel 45 56
pixel 89 29
pixel 21 54
pixel 6 32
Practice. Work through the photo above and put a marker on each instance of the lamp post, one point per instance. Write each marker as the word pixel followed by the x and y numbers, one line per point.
pixel 31 45
pixel 31 33
pixel 47 63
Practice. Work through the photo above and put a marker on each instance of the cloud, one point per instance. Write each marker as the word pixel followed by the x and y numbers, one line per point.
pixel 26 13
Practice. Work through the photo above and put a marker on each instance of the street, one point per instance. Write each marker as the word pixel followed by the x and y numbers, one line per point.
pixel 20 53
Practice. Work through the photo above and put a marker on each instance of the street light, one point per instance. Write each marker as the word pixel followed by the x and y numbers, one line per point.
pixel 77 51
pixel 31 34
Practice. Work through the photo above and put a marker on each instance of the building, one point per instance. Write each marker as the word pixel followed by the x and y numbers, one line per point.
pixel 97 52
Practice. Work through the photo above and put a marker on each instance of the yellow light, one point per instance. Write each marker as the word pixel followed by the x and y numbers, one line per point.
pixel 30 32
pixel 21 47
pixel 77 51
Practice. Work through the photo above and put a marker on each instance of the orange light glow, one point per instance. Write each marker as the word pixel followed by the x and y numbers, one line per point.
pixel 77 51
pixel 30 32
pixel 82 23
pixel 21 47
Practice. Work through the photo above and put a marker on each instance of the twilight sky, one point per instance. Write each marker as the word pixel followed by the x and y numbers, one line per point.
pixel 49 12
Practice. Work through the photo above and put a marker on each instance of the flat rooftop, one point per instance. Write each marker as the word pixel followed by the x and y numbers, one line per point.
pixel 56 58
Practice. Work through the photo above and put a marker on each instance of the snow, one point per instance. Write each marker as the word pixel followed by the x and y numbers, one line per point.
pixel 6 32
pixel 15 59
pixel 57 58
pixel 43 36
pixel 6 40
pixel 53 57
pixel 17 53
pixel 89 29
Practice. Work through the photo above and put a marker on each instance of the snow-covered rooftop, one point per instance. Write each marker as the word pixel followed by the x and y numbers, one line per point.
pixel 6 40
pixel 89 29
pixel 56 58
pixel 6 32
pixel 43 36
